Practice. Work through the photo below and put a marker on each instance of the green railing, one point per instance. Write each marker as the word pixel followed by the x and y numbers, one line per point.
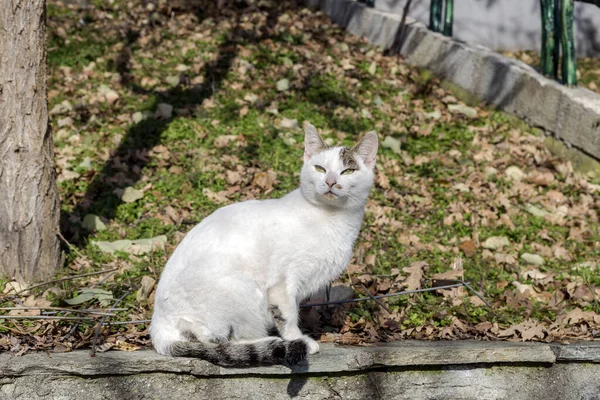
pixel 558 46
pixel 441 16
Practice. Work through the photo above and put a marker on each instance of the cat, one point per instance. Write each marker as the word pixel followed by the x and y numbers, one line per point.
pixel 230 292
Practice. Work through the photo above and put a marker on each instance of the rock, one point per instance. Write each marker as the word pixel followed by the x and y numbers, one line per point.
pixel 173 80
pixel 289 123
pixel 137 117
pixel 67 175
pixel 536 211
pixel 130 195
pixel 137 247
pixel 514 173
pixel 251 98
pixel 435 114
pixel 111 96
pixel 67 121
pixel 532 259
pixel 495 242
pixel 164 110
pixel 392 144
pixel 464 110
pixel 145 289
pixel 461 187
pixel 288 140
pixel 283 85
pixel 93 222
pixel 490 171
pixel 372 68
pixel 61 108
pixel 86 164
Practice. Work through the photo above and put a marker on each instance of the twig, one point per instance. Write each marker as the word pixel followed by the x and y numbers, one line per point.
pixel 69 245
pixel 374 299
pixel 382 295
pixel 133 322
pixel 475 293
pixel 95 312
pixel 45 317
pixel 62 280
pixel 97 333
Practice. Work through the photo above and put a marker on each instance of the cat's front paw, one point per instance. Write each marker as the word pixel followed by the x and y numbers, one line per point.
pixel 311 344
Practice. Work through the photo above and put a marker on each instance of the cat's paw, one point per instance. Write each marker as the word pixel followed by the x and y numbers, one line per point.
pixel 311 344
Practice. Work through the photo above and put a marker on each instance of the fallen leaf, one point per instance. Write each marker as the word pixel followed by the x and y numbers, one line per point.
pixel 415 275
pixel 469 247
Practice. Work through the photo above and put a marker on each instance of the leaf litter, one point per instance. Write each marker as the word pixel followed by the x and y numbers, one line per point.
pixel 155 130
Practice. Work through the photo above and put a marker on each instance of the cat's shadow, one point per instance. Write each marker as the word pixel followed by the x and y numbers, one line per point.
pixel 299 378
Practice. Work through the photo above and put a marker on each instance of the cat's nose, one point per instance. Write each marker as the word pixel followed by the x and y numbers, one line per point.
pixel 330 181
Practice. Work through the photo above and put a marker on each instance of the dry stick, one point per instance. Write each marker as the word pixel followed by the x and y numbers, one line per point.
pixel 376 300
pixel 44 317
pixel 67 278
pixel 69 245
pixel 132 322
pixel 97 333
pixel 95 312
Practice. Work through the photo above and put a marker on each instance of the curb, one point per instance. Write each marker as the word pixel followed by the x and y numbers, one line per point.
pixel 331 360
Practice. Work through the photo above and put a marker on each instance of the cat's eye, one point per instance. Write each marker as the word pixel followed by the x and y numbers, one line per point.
pixel 320 169
pixel 348 171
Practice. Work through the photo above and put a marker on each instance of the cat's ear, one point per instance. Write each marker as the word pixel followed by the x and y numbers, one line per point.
pixel 313 142
pixel 366 149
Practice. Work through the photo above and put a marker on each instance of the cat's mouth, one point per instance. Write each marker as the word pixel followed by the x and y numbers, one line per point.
pixel 330 196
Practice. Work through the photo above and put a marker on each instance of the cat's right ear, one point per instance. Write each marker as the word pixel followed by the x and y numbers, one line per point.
pixel 313 142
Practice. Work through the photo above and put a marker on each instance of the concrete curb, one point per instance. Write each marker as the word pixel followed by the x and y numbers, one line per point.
pixel 331 359
pixel 571 114
pixel 399 370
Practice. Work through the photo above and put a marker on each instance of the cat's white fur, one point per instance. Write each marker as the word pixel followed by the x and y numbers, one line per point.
pixel 228 270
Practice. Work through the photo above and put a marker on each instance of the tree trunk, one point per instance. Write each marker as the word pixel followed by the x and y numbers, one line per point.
pixel 29 204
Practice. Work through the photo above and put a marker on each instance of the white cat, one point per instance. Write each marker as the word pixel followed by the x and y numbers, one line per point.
pixel 230 292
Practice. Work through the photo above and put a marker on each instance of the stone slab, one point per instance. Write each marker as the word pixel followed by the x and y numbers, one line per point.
pixel 570 114
pixel 331 359
pixel 578 352
pixel 512 382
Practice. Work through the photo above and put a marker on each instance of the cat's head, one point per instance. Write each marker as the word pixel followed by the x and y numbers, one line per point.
pixel 337 176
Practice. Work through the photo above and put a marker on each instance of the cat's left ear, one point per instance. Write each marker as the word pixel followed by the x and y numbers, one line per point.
pixel 366 149
pixel 313 142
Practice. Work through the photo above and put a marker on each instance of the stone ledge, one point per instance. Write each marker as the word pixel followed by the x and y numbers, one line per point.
pixel 331 359
pixel 401 370
pixel 571 114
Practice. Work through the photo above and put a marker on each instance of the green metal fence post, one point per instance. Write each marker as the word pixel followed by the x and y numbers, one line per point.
pixel 569 62
pixel 549 42
pixel 449 17
pixel 435 15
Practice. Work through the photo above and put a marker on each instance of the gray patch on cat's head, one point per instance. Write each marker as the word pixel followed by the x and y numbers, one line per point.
pixel 348 159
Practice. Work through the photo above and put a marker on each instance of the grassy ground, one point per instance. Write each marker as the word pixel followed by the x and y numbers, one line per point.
pixel 163 113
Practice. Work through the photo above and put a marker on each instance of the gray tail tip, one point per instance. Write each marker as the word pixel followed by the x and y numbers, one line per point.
pixel 296 352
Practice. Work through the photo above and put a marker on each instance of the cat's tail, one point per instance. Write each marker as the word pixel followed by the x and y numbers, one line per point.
pixel 269 350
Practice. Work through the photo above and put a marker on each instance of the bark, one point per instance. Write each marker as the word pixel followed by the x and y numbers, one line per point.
pixel 29 204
